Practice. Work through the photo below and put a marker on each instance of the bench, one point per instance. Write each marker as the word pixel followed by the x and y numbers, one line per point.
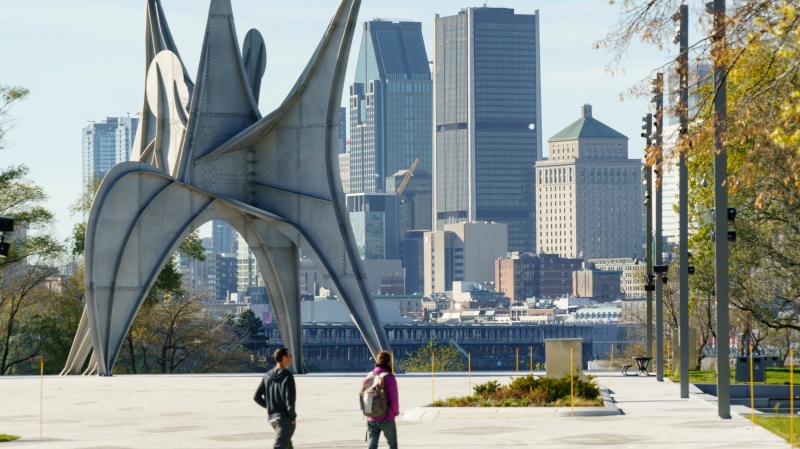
pixel 625 370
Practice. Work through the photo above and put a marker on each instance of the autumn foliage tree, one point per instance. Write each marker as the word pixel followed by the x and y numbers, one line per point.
pixel 762 141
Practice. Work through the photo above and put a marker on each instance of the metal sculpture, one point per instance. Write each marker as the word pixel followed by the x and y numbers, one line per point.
pixel 204 152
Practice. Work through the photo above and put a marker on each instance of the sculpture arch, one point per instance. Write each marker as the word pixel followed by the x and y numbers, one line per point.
pixel 204 152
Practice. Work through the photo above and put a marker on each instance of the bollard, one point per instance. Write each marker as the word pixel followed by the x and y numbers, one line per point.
pixel 571 382
pixel 41 395
pixel 610 365
pixel 791 396
pixel 752 395
pixel 469 371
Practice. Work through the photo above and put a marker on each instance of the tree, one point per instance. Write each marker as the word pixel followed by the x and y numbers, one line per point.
pixel 32 258
pixel 445 358
pixel 22 338
pixel 763 264
pixel 760 34
pixel 178 334
pixel 61 312
pixel 251 329
pixel 9 96
pixel 761 141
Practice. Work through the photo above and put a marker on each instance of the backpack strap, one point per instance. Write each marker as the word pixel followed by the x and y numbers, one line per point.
pixel 379 378
pixel 382 377
pixel 366 382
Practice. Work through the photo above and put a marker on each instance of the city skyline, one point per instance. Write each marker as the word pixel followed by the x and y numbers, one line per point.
pixel 87 85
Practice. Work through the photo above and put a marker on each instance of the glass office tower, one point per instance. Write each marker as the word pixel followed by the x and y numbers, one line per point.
pixel 487 118
pixel 390 105
pixel 105 144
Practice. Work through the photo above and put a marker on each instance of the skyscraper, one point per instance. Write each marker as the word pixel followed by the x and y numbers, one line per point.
pixel 106 143
pixel 589 194
pixel 390 105
pixel 223 237
pixel 125 133
pixel 487 115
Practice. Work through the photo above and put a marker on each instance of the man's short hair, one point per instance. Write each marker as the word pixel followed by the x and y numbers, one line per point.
pixel 280 353
pixel 384 358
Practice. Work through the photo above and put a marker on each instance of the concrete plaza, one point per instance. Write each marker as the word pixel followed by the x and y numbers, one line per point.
pixel 217 411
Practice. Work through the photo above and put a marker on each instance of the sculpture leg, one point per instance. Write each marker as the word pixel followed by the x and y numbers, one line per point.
pixel 81 346
pixel 91 369
pixel 278 260
pixel 137 222
pixel 332 254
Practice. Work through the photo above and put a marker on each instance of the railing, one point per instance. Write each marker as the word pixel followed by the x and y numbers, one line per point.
pixel 462 341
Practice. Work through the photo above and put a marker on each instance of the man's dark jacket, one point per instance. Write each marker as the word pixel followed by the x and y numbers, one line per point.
pixel 276 393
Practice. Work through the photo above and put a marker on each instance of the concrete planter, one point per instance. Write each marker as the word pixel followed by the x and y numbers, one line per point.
pixel 436 413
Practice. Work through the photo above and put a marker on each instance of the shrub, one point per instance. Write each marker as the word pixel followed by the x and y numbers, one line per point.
pixel 486 389
pixel 550 390
pixel 527 391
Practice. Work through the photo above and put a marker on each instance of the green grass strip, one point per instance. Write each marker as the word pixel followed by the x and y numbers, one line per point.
pixel 779 425
pixel 774 376
pixel 4 437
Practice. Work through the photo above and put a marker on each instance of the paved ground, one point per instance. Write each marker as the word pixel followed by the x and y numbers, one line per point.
pixel 210 411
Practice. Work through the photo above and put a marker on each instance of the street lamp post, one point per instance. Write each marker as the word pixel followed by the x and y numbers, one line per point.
pixel 658 125
pixel 649 286
pixel 682 17
pixel 721 217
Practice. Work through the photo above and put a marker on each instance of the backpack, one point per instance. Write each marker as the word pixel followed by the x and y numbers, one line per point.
pixel 373 396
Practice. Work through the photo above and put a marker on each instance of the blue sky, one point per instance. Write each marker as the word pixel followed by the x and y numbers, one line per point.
pixel 83 60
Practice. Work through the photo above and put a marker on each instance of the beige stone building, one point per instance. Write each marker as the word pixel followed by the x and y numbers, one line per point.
pixel 602 286
pixel 589 195
pixel 633 274
pixel 462 252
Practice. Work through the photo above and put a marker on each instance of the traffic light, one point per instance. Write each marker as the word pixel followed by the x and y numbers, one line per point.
pixel 647 127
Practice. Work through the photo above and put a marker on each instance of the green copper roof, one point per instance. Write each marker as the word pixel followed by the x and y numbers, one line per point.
pixel 587 127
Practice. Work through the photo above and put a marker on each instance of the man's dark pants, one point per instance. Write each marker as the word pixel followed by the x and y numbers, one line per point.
pixel 284 429
pixel 374 428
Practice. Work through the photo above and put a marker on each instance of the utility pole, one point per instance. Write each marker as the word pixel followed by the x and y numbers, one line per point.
pixel 649 286
pixel 682 17
pixel 659 268
pixel 721 217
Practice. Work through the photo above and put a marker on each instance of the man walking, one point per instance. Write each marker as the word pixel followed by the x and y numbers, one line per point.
pixel 383 373
pixel 276 393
